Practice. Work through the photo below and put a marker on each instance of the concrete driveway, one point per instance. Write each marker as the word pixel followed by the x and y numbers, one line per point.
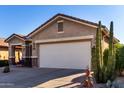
pixel 21 77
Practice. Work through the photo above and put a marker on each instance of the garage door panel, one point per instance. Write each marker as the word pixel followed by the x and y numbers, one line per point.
pixel 75 55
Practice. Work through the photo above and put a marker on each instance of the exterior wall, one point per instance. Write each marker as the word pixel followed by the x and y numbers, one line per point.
pixel 105 43
pixel 16 41
pixel 71 29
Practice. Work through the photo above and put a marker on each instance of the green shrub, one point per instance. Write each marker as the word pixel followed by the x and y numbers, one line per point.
pixel 4 63
pixel 27 62
pixel 119 48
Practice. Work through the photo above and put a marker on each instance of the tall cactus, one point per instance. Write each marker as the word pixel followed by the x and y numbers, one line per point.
pixel 111 61
pixel 104 71
pixel 99 58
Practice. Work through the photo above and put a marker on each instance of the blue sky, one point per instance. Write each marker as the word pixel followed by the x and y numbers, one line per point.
pixel 24 19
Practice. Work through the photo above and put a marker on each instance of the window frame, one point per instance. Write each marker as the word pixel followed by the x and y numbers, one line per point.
pixel 60 26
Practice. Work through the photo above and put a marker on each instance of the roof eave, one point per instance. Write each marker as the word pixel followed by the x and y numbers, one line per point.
pixel 107 33
pixel 92 24
pixel 6 40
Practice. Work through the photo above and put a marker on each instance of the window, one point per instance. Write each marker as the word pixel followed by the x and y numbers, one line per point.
pixel 60 27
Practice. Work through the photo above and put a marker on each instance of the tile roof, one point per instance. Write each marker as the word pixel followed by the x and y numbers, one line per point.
pixel 64 15
pixel 18 35
pixel 3 43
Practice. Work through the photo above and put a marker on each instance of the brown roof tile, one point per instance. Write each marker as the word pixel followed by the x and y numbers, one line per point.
pixel 3 43
pixel 19 35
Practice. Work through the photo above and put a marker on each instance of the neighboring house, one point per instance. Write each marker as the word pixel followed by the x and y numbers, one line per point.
pixel 61 42
pixel 4 51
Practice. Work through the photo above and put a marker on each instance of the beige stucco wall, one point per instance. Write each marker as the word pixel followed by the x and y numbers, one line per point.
pixel 15 40
pixel 71 29
pixel 105 43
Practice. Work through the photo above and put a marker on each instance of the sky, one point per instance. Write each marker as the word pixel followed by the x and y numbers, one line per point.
pixel 24 19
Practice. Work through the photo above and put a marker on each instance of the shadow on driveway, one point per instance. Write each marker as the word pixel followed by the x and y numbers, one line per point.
pixel 78 79
pixel 21 77
pixel 60 73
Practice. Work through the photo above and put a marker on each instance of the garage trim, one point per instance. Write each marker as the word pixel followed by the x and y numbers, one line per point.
pixel 89 37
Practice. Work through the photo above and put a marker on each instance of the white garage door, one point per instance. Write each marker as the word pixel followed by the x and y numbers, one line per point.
pixel 74 55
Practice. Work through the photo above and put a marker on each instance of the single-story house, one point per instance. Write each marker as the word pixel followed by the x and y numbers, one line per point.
pixel 4 51
pixel 61 42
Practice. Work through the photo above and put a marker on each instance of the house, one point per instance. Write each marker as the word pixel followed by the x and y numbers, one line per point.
pixel 4 54
pixel 61 42
pixel 3 50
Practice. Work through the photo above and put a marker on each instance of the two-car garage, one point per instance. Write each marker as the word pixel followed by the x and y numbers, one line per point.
pixel 70 55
